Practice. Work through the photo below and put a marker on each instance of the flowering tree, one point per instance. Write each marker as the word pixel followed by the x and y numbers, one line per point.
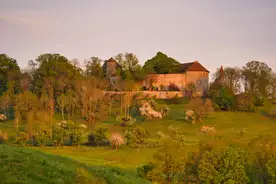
pixel 149 112
pixel 190 116
pixel 3 117
pixel 116 140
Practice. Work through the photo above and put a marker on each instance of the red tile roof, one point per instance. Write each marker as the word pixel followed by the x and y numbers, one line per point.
pixel 193 66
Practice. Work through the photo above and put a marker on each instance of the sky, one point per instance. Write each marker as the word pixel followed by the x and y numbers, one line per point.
pixel 213 32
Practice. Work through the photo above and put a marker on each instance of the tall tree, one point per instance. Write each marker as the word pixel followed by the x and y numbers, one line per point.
pixel 93 67
pixel 9 71
pixel 58 69
pixel 256 76
pixel 161 64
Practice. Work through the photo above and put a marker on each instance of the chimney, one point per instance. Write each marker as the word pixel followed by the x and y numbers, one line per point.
pixel 195 61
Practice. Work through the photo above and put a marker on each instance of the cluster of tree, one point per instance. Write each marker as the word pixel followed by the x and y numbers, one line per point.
pixel 178 162
pixel 243 88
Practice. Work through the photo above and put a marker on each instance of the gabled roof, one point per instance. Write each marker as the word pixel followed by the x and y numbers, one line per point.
pixel 193 66
pixel 111 60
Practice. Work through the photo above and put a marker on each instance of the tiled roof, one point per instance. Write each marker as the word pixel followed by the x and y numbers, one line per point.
pixel 193 66
pixel 111 60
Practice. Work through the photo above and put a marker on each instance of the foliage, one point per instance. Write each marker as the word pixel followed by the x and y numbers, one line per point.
pixel 257 76
pixel 190 116
pixel 173 87
pixel 232 78
pixel 167 163
pixel 93 67
pixel 206 130
pixel 99 137
pixel 116 140
pixel 161 64
pixel 59 132
pixel 244 103
pixel 223 99
pixel 76 134
pixel 42 134
pixel 9 71
pixel 3 136
pixel 22 138
pixel 3 117
pixel 227 165
pixel 148 111
pixel 136 136
pixel 258 101
pixel 125 120
pixel 271 169
pixel 263 149
pixel 160 136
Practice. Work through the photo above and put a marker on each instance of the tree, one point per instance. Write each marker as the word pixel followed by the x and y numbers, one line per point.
pixel 161 64
pixel 168 162
pixel 256 76
pixel 62 102
pixel 136 136
pixel 116 140
pixel 58 69
pixel 232 78
pixel 263 148
pixel 94 68
pixel 227 165
pixel 6 100
pixel 9 71
pixel 130 67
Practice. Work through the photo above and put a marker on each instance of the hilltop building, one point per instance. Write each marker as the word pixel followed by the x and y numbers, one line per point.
pixel 189 73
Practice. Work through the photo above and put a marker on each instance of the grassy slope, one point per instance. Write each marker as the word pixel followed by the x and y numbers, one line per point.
pixel 23 165
pixel 128 159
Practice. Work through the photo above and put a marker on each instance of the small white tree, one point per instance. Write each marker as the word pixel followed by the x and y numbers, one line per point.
pixel 190 116
pixel 149 112
pixel 116 140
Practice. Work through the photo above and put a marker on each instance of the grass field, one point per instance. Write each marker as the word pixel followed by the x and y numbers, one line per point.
pixel 226 123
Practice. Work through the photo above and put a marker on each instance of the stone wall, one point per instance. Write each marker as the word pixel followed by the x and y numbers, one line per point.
pixel 199 78
pixel 155 94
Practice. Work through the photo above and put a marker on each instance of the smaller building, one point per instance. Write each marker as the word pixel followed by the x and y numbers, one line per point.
pixel 189 73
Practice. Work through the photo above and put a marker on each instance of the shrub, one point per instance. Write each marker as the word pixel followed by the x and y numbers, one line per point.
pixel 22 138
pixel 99 137
pixel 3 117
pixel 42 135
pixel 173 87
pixel 3 136
pixel 159 135
pixel 116 140
pixel 227 165
pixel 224 99
pixel 206 130
pixel 149 111
pixel 244 103
pixel 142 171
pixel 136 136
pixel 258 101
pixel 190 116
pixel 125 120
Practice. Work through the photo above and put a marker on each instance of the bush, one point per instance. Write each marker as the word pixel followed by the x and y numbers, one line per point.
pixel 99 137
pixel 244 103
pixel 258 101
pixel 224 99
pixel 142 171
pixel 136 136
pixel 3 117
pixel 3 136
pixel 190 116
pixel 22 138
pixel 227 165
pixel 173 87
pixel 116 140
pixel 148 111
pixel 125 120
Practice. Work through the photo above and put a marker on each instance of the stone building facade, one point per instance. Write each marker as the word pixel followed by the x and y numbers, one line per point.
pixel 189 73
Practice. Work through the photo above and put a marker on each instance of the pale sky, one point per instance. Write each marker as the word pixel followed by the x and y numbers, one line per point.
pixel 214 32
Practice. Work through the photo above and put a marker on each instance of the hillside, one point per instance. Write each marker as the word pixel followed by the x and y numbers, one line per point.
pixel 23 165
